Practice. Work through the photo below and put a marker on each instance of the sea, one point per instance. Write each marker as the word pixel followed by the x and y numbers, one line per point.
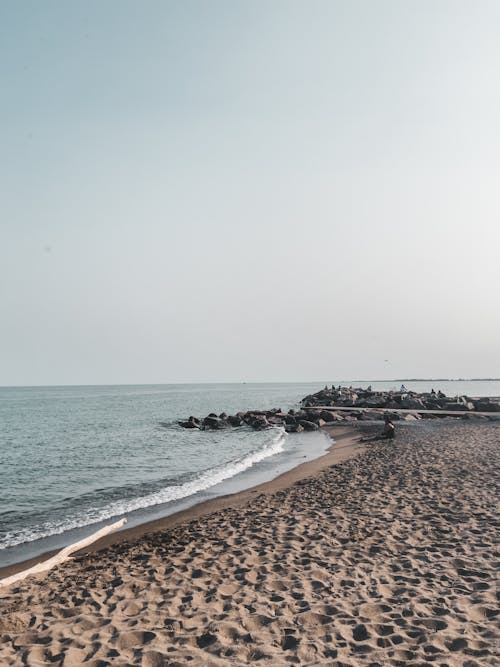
pixel 76 458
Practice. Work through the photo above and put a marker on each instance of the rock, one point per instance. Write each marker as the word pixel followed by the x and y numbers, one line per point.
pixel 260 423
pixel 275 421
pixel 379 402
pixel 454 406
pixel 188 424
pixel 412 404
pixel 368 416
pixel 308 426
pixel 235 420
pixel 293 428
pixel 327 416
pixel 214 422
pixel 486 405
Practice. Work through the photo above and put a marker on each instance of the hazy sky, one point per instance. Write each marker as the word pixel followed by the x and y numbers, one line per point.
pixel 261 191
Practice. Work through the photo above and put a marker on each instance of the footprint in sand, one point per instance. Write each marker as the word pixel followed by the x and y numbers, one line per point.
pixel 134 638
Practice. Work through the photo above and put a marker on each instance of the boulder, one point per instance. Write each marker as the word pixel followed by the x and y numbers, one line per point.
pixel 260 423
pixel 235 420
pixel 275 420
pixel 485 405
pixel 368 416
pixel 380 402
pixel 189 424
pixel 410 403
pixel 308 426
pixel 293 428
pixel 454 406
pixel 214 422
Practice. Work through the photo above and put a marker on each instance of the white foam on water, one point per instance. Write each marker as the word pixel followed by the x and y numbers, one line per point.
pixel 202 482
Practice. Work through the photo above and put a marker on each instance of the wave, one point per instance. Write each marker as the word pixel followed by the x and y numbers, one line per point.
pixel 201 482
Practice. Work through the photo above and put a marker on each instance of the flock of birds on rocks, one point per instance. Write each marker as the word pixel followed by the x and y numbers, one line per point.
pixel 320 409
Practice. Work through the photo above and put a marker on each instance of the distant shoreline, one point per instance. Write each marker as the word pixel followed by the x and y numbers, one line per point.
pixel 238 382
pixel 442 380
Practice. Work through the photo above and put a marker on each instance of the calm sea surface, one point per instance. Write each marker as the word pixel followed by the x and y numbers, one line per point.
pixel 75 457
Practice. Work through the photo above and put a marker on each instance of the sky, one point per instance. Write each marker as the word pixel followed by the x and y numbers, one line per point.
pixel 203 191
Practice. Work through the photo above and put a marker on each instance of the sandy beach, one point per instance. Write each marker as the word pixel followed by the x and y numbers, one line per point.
pixel 383 555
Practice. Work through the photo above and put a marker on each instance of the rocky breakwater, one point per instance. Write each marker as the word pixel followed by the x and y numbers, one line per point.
pixel 345 404
pixel 293 421
pixel 347 397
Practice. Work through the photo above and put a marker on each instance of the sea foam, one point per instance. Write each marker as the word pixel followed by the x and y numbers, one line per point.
pixel 202 481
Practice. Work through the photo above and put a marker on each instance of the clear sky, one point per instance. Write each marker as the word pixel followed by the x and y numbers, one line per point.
pixel 260 191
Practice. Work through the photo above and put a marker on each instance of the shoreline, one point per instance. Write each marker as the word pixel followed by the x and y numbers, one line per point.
pixel 386 558
pixel 344 435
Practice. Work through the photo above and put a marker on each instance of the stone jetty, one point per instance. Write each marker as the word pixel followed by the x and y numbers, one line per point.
pixel 398 400
pixel 345 404
pixel 293 421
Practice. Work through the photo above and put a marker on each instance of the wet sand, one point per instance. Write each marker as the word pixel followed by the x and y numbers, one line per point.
pixel 387 558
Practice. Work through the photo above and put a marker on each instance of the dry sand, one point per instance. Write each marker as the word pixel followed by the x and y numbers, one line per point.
pixel 384 559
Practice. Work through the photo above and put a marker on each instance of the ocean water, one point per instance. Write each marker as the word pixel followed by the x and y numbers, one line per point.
pixel 73 458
